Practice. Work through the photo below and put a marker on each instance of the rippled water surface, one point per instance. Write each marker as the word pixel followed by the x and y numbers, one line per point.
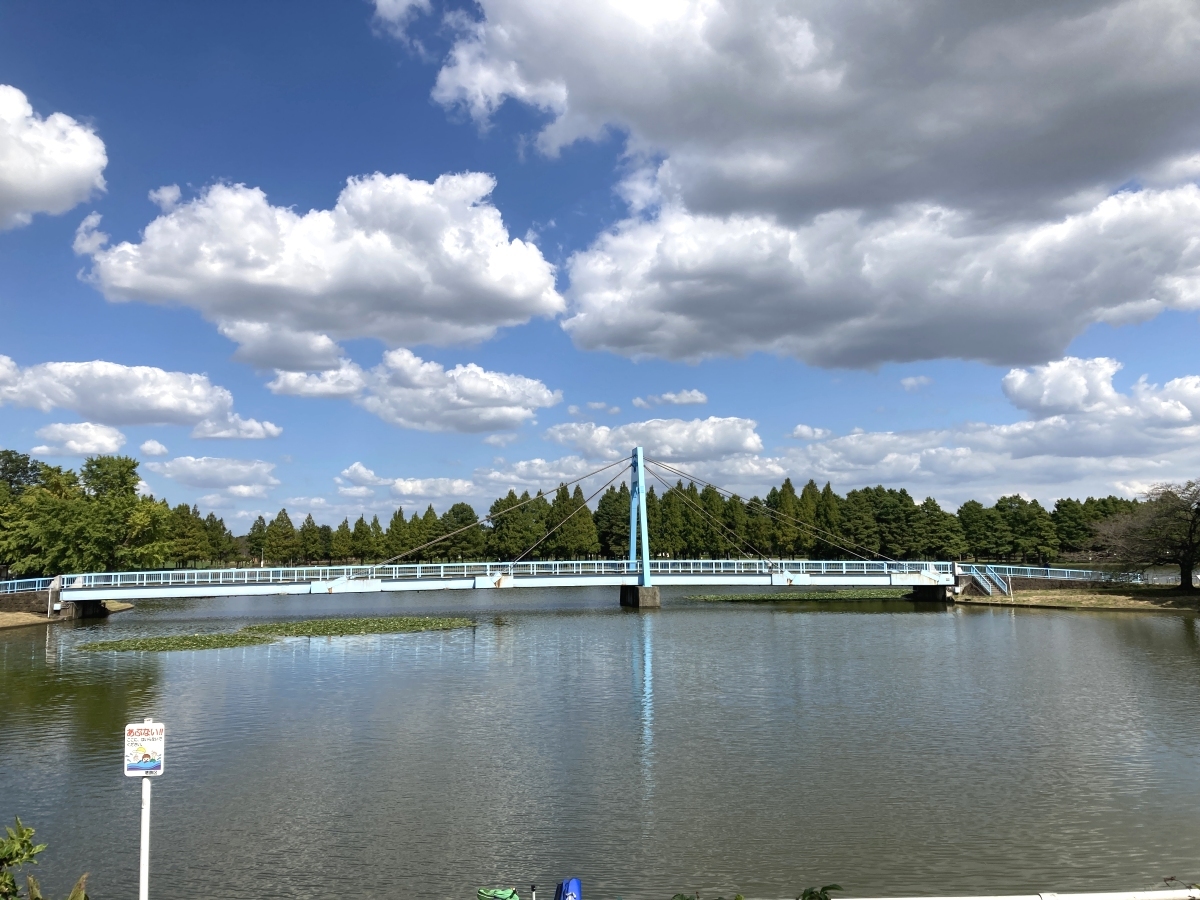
pixel 703 747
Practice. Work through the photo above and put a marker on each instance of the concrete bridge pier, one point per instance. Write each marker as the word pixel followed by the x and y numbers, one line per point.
pixel 639 596
pixel 932 593
pixel 84 609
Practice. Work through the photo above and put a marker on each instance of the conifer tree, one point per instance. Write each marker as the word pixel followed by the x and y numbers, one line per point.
pixel 342 544
pixel 431 530
pixel 515 526
pixel 828 524
pixel 465 536
pixel 256 537
pixel 612 522
pixel 716 540
pixel 378 537
pixel 736 523
pixel 363 541
pixel 281 544
pixel 311 545
pixel 396 541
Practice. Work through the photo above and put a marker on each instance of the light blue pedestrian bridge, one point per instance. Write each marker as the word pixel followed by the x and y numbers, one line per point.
pixel 638 577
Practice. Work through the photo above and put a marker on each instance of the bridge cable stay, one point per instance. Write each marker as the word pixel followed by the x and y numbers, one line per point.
pixel 828 537
pixel 714 519
pixel 583 505
pixel 490 517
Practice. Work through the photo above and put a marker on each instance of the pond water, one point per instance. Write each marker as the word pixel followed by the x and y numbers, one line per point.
pixel 711 747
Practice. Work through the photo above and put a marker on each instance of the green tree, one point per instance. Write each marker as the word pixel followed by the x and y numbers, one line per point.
pixel 281 544
pixel 941 534
pixel 859 528
pixel 363 541
pixel 671 537
pixel 612 522
pixel 736 523
pixel 716 540
pixel 311 546
pixel 806 512
pixel 760 527
pixel 468 543
pixel 515 526
pixel 341 544
pixel 189 536
pixel 579 537
pixel 378 539
pixel 1071 524
pixel 326 542
pixel 787 527
pixel 17 472
pixel 828 522
pixel 256 538
pixel 397 539
pixel 431 527
pixel 220 539
pixel 61 524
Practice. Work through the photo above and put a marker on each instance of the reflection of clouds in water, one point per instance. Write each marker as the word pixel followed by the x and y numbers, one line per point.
pixel 1056 745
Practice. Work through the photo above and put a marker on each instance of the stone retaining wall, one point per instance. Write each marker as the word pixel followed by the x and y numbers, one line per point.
pixel 25 601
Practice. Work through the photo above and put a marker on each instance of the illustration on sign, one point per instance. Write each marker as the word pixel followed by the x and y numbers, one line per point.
pixel 144 746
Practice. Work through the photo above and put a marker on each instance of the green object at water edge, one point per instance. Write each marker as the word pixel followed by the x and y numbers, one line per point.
pixel 498 894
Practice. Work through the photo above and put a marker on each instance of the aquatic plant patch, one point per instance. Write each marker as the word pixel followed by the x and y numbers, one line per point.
pixel 214 641
pixel 342 627
pixel 270 632
pixel 810 596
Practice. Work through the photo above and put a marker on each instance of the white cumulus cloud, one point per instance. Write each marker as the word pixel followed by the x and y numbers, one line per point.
pixel 237 478
pixel 153 448
pixel 843 290
pixel 915 382
pixel 853 183
pixel 673 398
pixel 671 440
pixel 411 392
pixel 78 439
pixel 114 394
pixel 47 165
pixel 397 259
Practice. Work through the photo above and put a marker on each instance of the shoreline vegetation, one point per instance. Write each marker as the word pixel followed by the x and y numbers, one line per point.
pixel 270 632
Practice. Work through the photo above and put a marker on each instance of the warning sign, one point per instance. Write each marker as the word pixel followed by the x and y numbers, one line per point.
pixel 145 743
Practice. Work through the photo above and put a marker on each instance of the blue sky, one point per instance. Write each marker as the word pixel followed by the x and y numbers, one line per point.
pixel 949 248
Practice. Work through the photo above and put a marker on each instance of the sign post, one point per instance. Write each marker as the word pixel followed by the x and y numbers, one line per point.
pixel 145 746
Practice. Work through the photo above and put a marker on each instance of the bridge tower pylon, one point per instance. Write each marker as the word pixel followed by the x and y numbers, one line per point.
pixel 643 594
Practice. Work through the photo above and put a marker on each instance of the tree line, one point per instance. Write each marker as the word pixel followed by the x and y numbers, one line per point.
pixel 56 520
pixel 691 522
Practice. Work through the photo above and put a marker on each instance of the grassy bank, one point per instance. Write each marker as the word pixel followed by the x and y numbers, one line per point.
pixel 1098 597
pixel 809 596
pixel 270 632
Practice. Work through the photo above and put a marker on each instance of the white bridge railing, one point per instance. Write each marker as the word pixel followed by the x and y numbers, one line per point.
pixel 546 569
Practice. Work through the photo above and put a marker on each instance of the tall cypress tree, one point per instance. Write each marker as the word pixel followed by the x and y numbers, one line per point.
pixel 612 522
pixel 281 545
pixel 396 541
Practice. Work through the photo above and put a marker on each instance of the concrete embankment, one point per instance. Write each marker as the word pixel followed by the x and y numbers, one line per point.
pixel 30 608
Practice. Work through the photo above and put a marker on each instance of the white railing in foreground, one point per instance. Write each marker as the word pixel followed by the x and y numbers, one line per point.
pixel 546 569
